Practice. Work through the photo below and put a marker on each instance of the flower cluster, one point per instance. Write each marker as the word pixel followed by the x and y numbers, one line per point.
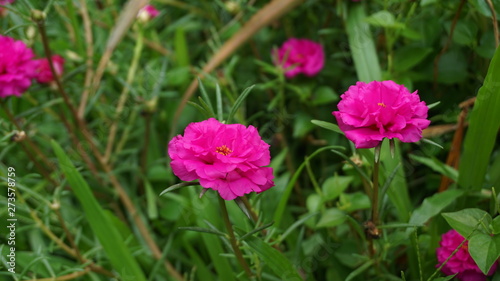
pixel 229 158
pixel 461 263
pixel 370 112
pixel 300 56
pixel 18 67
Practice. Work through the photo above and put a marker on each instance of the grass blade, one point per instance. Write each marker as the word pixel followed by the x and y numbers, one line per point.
pixel 483 129
pixel 109 237
pixel 238 103
pixel 362 46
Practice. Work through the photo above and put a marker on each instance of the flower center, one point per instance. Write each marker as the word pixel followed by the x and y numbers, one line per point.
pixel 381 104
pixel 224 150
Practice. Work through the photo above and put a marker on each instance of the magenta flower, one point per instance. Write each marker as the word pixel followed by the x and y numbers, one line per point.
pixel 17 67
pixel 461 263
pixel 370 112
pixel 228 158
pixel 44 75
pixel 147 13
pixel 3 11
pixel 300 56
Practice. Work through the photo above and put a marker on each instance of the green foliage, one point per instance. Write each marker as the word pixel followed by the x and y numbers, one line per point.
pixel 96 198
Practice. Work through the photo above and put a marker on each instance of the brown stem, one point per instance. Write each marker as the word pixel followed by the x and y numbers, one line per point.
pixel 56 207
pixel 494 21
pixel 59 242
pixel 66 277
pixel 33 147
pixel 232 238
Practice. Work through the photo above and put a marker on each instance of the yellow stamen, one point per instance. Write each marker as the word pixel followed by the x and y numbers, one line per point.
pixel 224 150
pixel 381 104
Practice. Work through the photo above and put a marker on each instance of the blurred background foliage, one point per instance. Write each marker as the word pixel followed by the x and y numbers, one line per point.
pixel 440 48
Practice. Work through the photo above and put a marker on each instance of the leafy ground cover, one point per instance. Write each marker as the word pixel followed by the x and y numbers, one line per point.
pixel 112 168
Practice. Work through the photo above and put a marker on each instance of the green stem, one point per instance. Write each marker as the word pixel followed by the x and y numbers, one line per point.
pixel 375 196
pixel 124 94
pixel 232 238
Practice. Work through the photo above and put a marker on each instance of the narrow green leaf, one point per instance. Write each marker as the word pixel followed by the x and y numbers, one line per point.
pixel 177 186
pixel 483 128
pixel 202 230
pixel 278 263
pixel 181 49
pixel 434 205
pixel 258 229
pixel 359 270
pixel 151 200
pixel 465 221
pixel 218 98
pixel 408 56
pixel 328 126
pixel 205 96
pixel 483 248
pixel 437 166
pixel 362 46
pixel 109 237
pixel 384 19
pixel 238 103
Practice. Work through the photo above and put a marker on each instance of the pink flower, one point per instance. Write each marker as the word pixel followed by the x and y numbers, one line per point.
pixel 461 263
pixel 228 158
pixel 300 56
pixel 44 75
pixel 3 11
pixel 370 112
pixel 17 67
pixel 147 13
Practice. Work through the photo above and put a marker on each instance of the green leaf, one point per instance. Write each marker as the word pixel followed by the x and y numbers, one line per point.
pixel 483 128
pixel 434 205
pixel 302 125
pixel 362 47
pixel 334 186
pixel 466 221
pixel 331 217
pixel 495 225
pixel 354 201
pixel 109 237
pixel 485 250
pixel 278 263
pixel 437 166
pixel 328 126
pixel 384 19
pixel 465 32
pixel 238 103
pixel 408 56
pixel 218 99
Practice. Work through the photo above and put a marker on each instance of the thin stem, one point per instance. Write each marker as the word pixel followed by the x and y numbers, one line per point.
pixel 494 21
pixel 375 218
pixel 56 207
pixel 89 74
pixel 124 94
pixel 232 238
pixel 59 242
pixel 66 277
pixel 33 147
